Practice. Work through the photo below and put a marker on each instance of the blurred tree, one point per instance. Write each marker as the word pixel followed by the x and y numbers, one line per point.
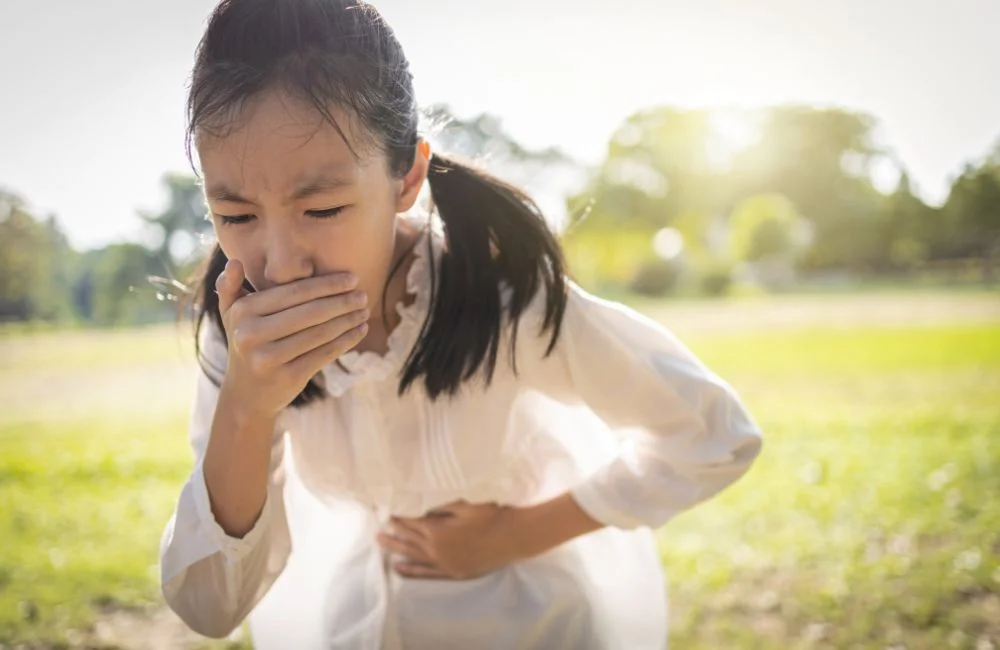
pixel 663 168
pixel 656 277
pixel 820 159
pixel 972 212
pixel 181 223
pixel 766 238
pixel 658 171
pixel 114 288
pixel 35 264
pixel 658 166
pixel 766 227
pixel 909 230
pixel 21 267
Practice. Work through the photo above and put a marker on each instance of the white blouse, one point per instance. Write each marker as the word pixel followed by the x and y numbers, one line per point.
pixel 621 414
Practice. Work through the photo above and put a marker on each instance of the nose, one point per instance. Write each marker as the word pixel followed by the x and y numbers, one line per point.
pixel 289 257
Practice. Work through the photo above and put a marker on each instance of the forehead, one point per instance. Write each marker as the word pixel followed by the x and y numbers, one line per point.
pixel 277 140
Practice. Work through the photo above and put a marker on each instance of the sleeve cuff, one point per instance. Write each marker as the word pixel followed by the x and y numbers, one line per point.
pixel 233 549
pixel 588 495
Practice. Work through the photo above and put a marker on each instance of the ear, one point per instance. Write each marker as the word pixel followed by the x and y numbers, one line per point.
pixel 413 182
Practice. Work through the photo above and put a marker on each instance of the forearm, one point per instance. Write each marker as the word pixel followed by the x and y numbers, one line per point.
pixel 237 463
pixel 544 526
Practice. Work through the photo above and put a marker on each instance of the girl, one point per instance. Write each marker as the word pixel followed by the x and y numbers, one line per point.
pixel 403 436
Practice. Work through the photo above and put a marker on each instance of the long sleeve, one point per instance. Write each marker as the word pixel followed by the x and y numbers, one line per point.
pixel 687 434
pixel 211 580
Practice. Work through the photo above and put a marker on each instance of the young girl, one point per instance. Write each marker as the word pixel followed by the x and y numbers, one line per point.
pixel 408 438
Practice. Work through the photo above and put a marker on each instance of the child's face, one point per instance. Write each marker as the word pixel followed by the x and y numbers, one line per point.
pixel 289 199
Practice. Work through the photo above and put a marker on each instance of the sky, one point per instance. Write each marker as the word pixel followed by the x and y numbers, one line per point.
pixel 92 94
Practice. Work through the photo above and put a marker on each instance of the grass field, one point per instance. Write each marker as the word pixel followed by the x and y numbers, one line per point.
pixel 871 521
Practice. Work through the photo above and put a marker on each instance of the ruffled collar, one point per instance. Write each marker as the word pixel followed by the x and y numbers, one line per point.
pixel 371 366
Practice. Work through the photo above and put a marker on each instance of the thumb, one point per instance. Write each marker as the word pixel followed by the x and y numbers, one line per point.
pixel 229 285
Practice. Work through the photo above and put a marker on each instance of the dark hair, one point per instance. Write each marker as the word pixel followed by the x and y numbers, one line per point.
pixel 342 53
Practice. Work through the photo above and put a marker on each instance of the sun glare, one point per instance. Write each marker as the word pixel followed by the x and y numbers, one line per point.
pixel 731 131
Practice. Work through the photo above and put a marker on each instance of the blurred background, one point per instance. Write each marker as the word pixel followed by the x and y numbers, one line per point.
pixel 808 193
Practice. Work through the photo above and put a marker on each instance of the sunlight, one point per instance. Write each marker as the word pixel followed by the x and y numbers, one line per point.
pixel 732 130
pixel 668 243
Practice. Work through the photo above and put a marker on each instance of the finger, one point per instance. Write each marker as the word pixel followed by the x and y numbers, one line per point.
pixel 414 570
pixel 403 547
pixel 312 362
pixel 229 285
pixel 312 338
pixel 280 298
pixel 412 527
pixel 298 318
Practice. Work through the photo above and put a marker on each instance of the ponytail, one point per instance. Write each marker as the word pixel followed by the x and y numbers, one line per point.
pixel 496 237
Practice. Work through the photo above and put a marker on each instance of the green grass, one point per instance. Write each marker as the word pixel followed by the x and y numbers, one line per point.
pixel 870 521
pixel 872 518
pixel 80 506
pixel 95 348
pixel 86 489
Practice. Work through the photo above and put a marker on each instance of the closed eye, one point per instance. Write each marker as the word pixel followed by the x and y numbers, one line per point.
pixel 326 214
pixel 315 214
pixel 235 219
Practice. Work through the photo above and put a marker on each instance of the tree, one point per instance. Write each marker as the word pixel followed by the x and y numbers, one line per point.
pixel 667 167
pixel 182 222
pixel 766 227
pixel 658 166
pixel 21 266
pixel 820 159
pixel 972 212
pixel 115 288
pixel 909 231
pixel 658 172
pixel 35 261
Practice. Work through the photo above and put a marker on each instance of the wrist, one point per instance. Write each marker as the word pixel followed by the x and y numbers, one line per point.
pixel 539 528
pixel 521 531
pixel 244 409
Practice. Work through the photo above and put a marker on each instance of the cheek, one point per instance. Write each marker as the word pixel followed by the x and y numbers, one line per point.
pixel 363 247
pixel 238 243
pixel 227 243
pixel 342 249
pixel 333 255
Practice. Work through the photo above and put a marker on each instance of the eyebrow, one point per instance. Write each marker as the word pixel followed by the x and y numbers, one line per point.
pixel 311 187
